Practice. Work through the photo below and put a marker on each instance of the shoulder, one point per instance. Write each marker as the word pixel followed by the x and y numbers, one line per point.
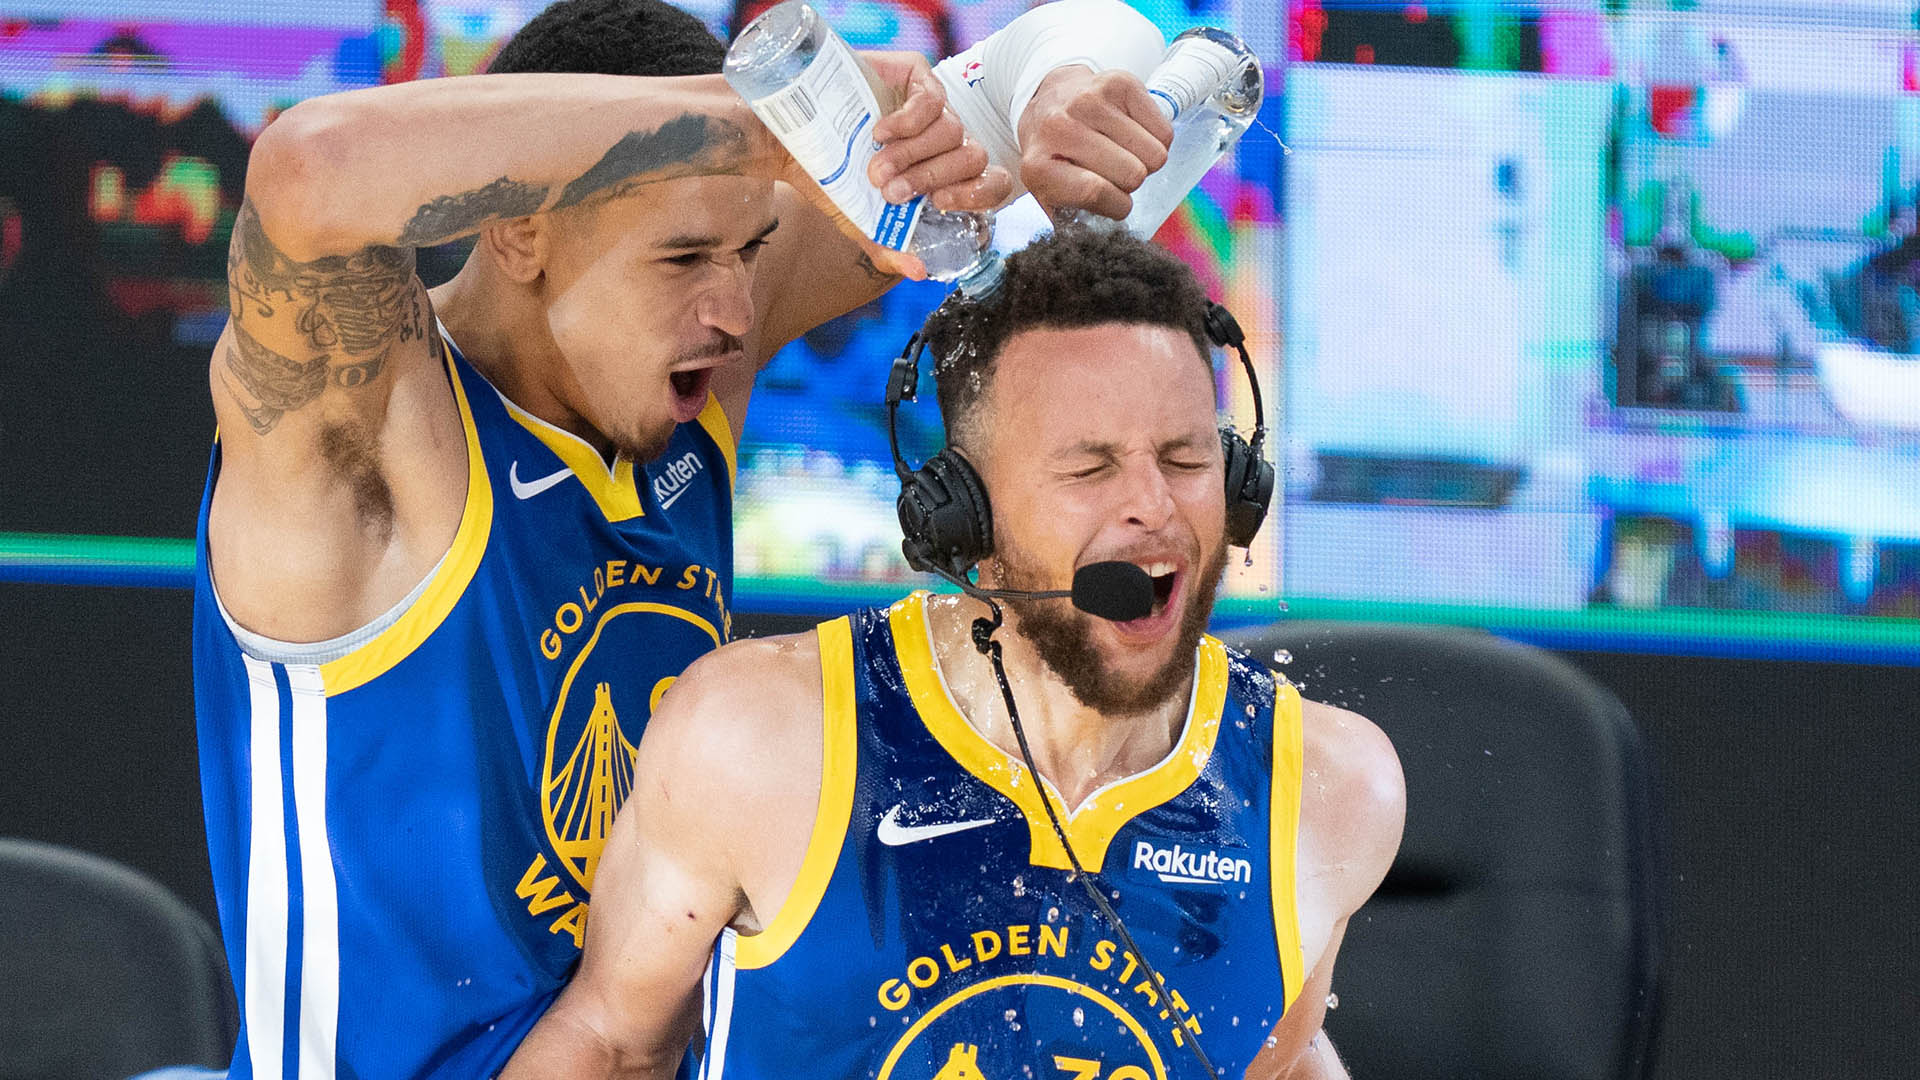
pixel 1354 798
pixel 742 720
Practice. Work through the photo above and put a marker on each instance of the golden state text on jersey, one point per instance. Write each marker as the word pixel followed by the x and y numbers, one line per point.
pixel 934 932
pixel 405 824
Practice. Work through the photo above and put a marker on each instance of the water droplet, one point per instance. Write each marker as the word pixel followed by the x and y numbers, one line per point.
pixel 1019 889
pixel 1333 1001
pixel 1282 656
pixel 1250 712
pixel 1235 1022
pixel 1272 1041
pixel 1079 1016
pixel 1012 1015
pixel 873 1021
pixel 1053 914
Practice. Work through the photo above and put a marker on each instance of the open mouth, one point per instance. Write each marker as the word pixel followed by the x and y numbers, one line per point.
pixel 1163 581
pixel 690 392
pixel 1165 576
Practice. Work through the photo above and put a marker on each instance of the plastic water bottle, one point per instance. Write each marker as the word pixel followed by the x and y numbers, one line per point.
pixel 1210 86
pixel 820 99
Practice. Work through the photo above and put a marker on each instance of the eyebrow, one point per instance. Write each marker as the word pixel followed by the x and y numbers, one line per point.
pixel 695 240
pixel 1112 449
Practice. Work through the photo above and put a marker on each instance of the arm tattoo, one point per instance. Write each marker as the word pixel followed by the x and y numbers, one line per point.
pixel 359 303
pixel 874 273
pixel 277 384
pixel 456 215
pixel 689 145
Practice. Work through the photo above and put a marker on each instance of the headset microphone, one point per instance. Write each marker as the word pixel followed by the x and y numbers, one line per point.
pixel 1119 591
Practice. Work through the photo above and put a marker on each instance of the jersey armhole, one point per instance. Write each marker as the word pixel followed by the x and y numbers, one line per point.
pixel 713 419
pixel 838 769
pixel 1283 833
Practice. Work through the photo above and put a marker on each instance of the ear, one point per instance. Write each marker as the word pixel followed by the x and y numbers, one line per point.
pixel 519 247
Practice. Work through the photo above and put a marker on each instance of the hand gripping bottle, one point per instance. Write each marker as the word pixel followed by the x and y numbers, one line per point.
pixel 1210 85
pixel 818 98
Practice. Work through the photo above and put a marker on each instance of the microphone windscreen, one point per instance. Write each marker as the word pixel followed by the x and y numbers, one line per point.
pixel 1119 591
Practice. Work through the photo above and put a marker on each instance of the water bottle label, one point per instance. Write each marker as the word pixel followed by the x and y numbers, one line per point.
pixel 1193 70
pixel 825 120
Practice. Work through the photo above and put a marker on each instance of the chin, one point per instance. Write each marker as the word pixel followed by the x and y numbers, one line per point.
pixel 647 445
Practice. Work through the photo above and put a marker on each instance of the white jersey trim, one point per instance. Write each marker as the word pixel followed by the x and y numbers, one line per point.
pixel 264 997
pixel 297 653
pixel 720 1025
pixel 320 902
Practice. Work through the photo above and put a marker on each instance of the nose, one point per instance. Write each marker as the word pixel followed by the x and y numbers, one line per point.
pixel 1147 497
pixel 726 304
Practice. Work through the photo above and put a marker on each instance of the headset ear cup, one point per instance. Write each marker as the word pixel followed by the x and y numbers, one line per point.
pixel 954 524
pixel 1249 488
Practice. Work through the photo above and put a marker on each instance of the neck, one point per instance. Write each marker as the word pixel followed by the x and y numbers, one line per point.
pixel 1075 748
pixel 502 331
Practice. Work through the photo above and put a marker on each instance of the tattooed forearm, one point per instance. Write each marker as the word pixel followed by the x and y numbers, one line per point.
pixel 356 303
pixel 874 273
pixel 689 145
pixel 450 216
pixel 269 385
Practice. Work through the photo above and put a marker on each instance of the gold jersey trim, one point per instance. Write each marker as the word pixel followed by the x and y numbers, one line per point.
pixel 1091 825
pixel 840 755
pixel 612 487
pixel 449 582
pixel 1283 831
pixel 720 430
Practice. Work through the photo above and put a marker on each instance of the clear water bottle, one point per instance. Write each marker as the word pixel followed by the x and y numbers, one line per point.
pixel 1210 86
pixel 821 101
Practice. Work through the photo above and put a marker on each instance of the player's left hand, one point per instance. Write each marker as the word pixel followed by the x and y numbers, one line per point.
pixel 924 149
pixel 1087 141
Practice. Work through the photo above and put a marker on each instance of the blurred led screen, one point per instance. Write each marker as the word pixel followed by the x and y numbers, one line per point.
pixel 1591 321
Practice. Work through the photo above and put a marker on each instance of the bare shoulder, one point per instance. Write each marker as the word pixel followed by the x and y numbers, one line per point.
pixel 735 753
pixel 1354 801
pixel 743 723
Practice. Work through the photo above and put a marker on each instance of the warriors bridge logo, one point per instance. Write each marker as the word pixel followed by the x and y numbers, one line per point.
pixel 604 702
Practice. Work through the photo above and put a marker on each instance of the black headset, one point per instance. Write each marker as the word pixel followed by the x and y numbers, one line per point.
pixel 946 520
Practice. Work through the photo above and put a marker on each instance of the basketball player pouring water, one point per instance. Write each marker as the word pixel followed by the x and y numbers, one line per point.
pixel 836 845
pixel 456 544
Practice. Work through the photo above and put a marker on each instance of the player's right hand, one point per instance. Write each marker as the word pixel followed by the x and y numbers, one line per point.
pixel 1087 141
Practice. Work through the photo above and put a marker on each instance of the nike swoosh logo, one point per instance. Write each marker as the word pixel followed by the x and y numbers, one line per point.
pixel 894 834
pixel 527 489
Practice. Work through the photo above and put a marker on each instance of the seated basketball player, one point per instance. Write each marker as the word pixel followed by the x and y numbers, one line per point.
pixel 834 835
pixel 456 543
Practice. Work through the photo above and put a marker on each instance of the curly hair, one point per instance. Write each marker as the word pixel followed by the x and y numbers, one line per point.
pixel 612 37
pixel 1072 277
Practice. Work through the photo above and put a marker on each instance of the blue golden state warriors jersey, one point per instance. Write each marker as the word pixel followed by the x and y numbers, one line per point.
pixel 934 933
pixel 404 836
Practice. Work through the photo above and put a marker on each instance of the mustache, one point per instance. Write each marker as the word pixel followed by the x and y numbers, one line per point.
pixel 722 345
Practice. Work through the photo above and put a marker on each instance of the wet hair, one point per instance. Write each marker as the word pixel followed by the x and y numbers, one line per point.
pixel 1070 278
pixel 612 37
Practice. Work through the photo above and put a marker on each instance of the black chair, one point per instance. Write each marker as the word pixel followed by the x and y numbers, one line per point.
pixel 103 972
pixel 1518 933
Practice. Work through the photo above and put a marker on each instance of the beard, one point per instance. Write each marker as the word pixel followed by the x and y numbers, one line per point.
pixel 644 447
pixel 1063 636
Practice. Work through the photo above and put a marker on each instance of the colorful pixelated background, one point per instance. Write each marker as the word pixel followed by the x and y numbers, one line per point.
pixel 1589 321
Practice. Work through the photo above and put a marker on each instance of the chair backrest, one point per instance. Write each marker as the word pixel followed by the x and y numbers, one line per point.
pixel 1518 933
pixel 103 972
